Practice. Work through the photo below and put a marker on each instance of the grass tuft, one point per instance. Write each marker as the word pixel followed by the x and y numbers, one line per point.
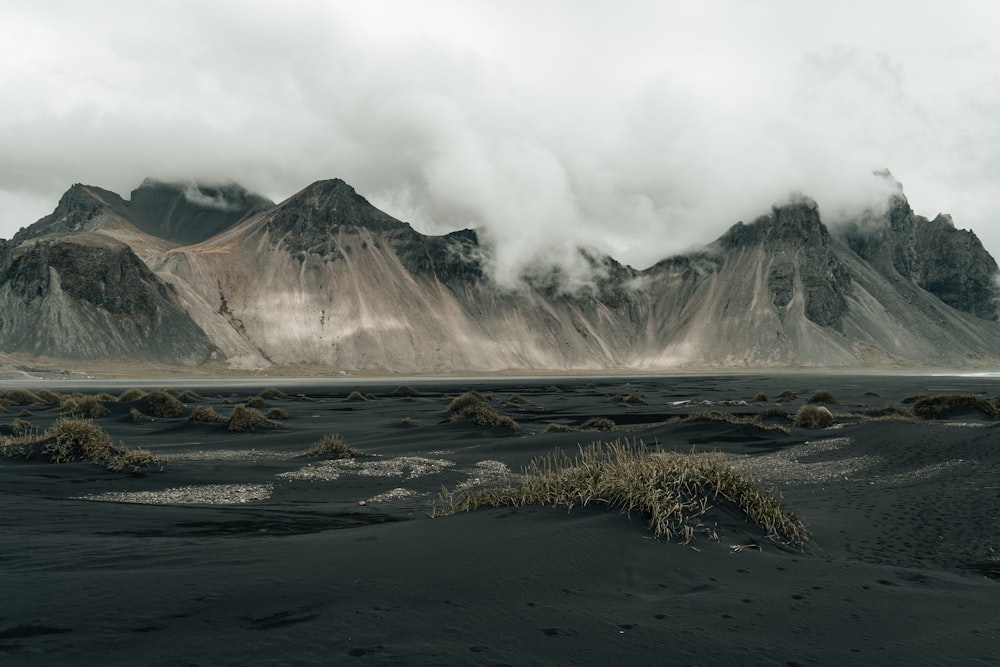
pixel 244 419
pixel 273 394
pixel 256 402
pixel 356 396
pixel 598 424
pixel 813 416
pixel 130 395
pixel 940 407
pixel 474 407
pixel 277 413
pixel 333 446
pixel 20 397
pixel 673 491
pixel 822 396
pixel 206 414
pixel 163 404
pixel 405 390
pixel 80 405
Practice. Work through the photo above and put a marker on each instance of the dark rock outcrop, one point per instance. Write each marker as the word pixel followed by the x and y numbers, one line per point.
pixel 193 212
pixel 797 228
pixel 89 297
pixel 950 263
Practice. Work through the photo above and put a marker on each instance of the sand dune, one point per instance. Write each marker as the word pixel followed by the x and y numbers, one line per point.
pixel 245 551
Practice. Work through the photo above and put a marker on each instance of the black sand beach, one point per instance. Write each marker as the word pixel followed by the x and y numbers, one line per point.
pixel 242 551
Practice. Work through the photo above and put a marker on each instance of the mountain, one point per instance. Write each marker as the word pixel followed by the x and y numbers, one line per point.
pixel 185 273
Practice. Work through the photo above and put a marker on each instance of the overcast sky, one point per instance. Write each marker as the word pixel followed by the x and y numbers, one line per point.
pixel 640 128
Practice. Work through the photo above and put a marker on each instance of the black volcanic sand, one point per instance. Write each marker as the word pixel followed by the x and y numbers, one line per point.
pixel 333 564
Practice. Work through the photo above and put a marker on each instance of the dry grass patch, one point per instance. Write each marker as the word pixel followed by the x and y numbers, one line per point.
pixel 940 407
pixel 71 439
pixel 813 416
pixel 277 413
pixel 206 414
pixel 356 396
pixel 409 421
pixel 822 396
pixel 405 390
pixel 474 407
pixel 80 405
pixel 163 404
pixel 244 419
pixel 20 397
pixel 673 491
pixel 785 396
pixel 274 394
pixel 46 396
pixel 717 416
pixel 558 428
pixel 760 398
pixel 598 424
pixel 333 446
pixel 255 402
pixel 130 395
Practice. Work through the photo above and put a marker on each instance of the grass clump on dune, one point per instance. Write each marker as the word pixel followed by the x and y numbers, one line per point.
pixel 673 491
pixel 130 395
pixel 277 413
pixel 273 393
pixel 598 424
pixel 244 419
pixel 333 446
pixel 813 416
pixel 163 404
pixel 940 407
pixel 356 396
pixel 71 439
pixel 46 396
pixel 80 405
pixel 822 396
pixel 20 397
pixel 719 417
pixel 474 407
pixel 255 402
pixel 206 414
pixel 405 390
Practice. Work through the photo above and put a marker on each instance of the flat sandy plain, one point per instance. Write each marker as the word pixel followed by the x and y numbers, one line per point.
pixel 241 551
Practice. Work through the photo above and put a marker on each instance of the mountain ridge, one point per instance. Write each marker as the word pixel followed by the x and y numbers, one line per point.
pixel 326 279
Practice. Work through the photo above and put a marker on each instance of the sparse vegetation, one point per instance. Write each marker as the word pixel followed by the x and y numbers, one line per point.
pixel 356 396
pixel 554 389
pixel 46 396
pixel 822 396
pixel 277 413
pixel 474 407
pixel 786 396
pixel 188 396
pixel 557 427
pixel 20 427
pixel 137 415
pixel 516 399
pixel 163 404
pixel 410 421
pixel 20 397
pixel 760 398
pixel 633 399
pixel 772 413
pixel 206 414
pixel 813 416
pixel 134 461
pixel 333 446
pixel 273 394
pixel 673 491
pixel 80 405
pixel 245 419
pixel 405 390
pixel 940 407
pixel 256 402
pixel 76 440
pixel 717 416
pixel 598 424
pixel 130 395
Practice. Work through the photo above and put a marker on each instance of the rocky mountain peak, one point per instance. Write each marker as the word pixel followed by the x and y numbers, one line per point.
pixel 306 220
pixel 796 223
pixel 191 212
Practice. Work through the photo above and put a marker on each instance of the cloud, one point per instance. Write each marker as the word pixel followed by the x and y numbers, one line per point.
pixel 639 133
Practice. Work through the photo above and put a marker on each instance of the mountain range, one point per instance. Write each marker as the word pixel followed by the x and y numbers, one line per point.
pixel 187 273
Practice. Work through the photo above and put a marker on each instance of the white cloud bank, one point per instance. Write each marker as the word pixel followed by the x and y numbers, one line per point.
pixel 639 128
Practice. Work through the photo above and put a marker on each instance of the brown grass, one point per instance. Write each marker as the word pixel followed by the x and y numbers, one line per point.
pixel 163 404
pixel 333 446
pixel 598 424
pixel 206 414
pixel 939 407
pixel 822 396
pixel 813 416
pixel 673 491
pixel 20 397
pixel 243 419
pixel 474 407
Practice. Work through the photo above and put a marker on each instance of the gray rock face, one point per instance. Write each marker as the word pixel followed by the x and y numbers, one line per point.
pixel 797 228
pixel 325 278
pixel 949 263
pixel 190 213
pixel 88 297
